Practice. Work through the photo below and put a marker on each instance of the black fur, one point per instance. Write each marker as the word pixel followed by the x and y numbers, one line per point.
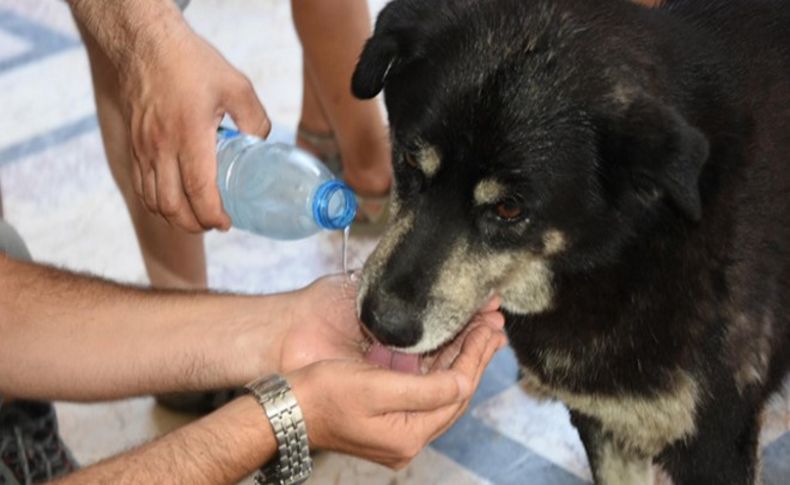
pixel 657 141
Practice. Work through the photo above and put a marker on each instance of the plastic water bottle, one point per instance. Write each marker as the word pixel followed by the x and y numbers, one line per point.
pixel 278 190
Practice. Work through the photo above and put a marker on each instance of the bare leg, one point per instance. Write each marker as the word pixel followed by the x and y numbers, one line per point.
pixel 332 34
pixel 312 117
pixel 173 258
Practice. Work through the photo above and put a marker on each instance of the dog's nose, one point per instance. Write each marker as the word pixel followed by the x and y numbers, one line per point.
pixel 392 321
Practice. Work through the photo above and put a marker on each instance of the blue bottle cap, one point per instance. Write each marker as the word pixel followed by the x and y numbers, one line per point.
pixel 224 133
pixel 334 205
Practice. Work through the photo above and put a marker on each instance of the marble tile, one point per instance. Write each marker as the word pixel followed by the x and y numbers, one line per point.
pixel 12 46
pixel 776 462
pixel 41 96
pixel 776 417
pixel 543 427
pixel 430 467
pixel 53 16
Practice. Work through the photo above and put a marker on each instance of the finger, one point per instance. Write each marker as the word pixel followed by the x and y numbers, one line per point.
pixel 391 391
pixel 444 418
pixel 198 167
pixel 173 203
pixel 491 305
pixel 137 179
pixel 149 189
pixel 247 111
pixel 444 360
pixel 473 351
pixel 493 320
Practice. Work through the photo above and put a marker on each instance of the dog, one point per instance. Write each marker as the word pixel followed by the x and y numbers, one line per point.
pixel 621 177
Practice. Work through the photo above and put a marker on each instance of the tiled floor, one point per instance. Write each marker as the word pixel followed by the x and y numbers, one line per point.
pixel 58 192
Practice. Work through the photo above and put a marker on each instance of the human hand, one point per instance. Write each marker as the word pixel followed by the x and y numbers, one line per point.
pixel 324 326
pixel 175 95
pixel 386 416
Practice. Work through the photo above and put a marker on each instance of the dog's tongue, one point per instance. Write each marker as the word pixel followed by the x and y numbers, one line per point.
pixel 392 359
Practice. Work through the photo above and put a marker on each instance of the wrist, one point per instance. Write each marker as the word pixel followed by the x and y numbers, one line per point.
pixel 254 345
pixel 293 464
pixel 132 31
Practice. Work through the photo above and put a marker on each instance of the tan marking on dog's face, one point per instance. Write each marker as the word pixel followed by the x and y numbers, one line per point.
pixel 429 160
pixel 400 225
pixel 488 191
pixel 463 284
pixel 553 242
pixel 467 279
pixel 640 425
pixel 527 289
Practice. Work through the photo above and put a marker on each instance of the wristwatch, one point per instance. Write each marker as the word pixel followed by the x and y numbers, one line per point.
pixel 293 464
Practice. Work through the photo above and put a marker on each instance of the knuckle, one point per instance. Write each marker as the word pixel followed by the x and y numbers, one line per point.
pixel 195 184
pixel 193 227
pixel 243 83
pixel 168 206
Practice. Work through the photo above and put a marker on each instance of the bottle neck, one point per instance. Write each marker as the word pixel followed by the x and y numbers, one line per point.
pixel 334 205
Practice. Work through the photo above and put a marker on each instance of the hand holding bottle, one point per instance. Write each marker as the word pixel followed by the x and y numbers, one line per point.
pixel 176 88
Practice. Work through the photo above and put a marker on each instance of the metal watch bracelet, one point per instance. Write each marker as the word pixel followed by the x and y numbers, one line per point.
pixel 293 464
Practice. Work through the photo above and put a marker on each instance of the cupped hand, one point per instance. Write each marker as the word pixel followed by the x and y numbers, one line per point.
pixel 174 98
pixel 323 325
pixel 386 416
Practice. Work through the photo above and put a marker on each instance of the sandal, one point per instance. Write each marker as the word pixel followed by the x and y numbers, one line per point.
pixel 322 145
pixel 372 210
pixel 373 214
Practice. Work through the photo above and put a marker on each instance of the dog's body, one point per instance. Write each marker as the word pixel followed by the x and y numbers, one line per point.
pixel 621 176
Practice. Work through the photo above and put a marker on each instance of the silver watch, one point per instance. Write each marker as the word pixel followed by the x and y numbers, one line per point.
pixel 293 464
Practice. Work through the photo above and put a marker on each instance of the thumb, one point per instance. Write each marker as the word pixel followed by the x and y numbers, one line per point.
pixel 247 111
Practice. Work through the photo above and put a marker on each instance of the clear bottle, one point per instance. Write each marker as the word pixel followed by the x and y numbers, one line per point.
pixel 278 190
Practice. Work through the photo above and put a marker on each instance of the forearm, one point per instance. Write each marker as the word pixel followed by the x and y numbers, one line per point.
pixel 223 447
pixel 128 29
pixel 66 336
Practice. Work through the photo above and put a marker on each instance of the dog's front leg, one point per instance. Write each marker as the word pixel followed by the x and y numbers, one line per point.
pixel 609 462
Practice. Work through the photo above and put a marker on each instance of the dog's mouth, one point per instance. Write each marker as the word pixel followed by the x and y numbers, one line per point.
pixel 413 363
pixel 395 360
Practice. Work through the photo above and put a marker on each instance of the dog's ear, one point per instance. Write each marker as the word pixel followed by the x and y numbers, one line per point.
pixel 656 152
pixel 395 43
pixel 380 54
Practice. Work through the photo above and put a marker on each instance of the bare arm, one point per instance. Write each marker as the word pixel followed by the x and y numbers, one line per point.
pixel 88 339
pixel 222 447
pixel 349 406
pixel 131 30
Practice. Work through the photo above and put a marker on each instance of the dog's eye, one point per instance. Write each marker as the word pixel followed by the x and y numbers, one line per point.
pixel 410 160
pixel 509 210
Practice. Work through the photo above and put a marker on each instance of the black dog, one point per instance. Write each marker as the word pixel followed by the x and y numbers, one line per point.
pixel 621 176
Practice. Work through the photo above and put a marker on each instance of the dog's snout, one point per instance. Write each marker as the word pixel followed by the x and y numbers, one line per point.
pixel 394 322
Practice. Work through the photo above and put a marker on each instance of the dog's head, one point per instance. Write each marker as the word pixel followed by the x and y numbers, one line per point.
pixel 528 138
